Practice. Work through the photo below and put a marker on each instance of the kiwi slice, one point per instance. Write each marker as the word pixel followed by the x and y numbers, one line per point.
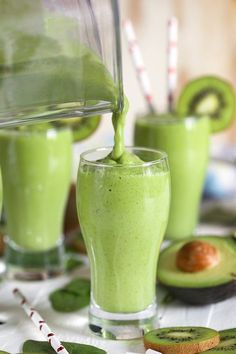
pixel 227 342
pixel 82 128
pixel 181 340
pixel 211 96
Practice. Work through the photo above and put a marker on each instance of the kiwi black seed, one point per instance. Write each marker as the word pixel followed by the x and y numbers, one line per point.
pixel 181 340
pixel 227 343
pixel 211 96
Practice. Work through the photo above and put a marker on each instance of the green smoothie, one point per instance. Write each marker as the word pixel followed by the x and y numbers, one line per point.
pixel 186 142
pixel 1 193
pixel 118 205
pixel 36 173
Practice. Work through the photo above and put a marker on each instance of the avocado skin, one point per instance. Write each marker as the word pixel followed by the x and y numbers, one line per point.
pixel 203 296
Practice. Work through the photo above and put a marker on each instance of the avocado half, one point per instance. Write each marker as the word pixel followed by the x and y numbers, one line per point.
pixel 206 286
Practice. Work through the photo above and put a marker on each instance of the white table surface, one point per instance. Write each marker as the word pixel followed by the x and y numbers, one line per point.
pixel 74 327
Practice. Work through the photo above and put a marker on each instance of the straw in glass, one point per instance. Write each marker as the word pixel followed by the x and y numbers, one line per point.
pixel 172 60
pixel 139 64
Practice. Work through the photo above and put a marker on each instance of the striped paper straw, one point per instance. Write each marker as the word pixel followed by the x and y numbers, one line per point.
pixel 172 59
pixel 40 323
pixel 138 64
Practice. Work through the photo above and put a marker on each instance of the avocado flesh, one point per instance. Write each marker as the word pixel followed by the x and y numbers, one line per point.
pixel 168 273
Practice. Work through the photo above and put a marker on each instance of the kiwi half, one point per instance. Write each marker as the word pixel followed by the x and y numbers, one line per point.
pixel 81 128
pixel 227 343
pixel 181 340
pixel 211 96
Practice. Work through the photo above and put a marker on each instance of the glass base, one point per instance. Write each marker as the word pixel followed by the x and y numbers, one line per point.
pixel 26 265
pixel 122 326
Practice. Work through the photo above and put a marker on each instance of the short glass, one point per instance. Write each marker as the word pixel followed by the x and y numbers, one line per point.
pixel 36 174
pixel 186 141
pixel 123 213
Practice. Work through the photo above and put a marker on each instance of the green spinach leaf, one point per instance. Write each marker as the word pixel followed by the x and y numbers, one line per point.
pixel 71 297
pixel 72 263
pixel 32 346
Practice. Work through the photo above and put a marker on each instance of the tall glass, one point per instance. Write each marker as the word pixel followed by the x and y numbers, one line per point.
pixel 186 142
pixel 36 174
pixel 58 59
pixel 123 213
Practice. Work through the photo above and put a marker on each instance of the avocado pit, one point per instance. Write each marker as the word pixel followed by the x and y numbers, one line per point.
pixel 196 256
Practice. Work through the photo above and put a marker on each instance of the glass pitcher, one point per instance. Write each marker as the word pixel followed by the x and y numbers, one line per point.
pixel 58 59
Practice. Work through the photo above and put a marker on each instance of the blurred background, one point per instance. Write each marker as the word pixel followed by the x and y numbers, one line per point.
pixel 207 45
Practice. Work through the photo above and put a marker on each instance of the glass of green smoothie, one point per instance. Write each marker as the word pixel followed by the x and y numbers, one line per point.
pixel 123 212
pixel 36 174
pixel 186 141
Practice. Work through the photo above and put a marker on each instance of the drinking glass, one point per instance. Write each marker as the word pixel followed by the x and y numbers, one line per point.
pixel 36 175
pixel 123 213
pixel 58 59
pixel 186 141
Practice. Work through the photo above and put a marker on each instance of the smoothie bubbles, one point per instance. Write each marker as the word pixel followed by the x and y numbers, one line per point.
pixel 205 105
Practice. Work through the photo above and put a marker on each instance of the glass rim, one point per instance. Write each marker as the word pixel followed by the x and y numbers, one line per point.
pixel 171 118
pixel 163 157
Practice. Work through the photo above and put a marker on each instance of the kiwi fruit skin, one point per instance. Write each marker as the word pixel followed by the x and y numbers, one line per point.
pixel 199 89
pixel 205 339
pixel 227 342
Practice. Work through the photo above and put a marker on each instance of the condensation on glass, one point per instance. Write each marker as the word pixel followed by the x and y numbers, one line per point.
pixel 58 59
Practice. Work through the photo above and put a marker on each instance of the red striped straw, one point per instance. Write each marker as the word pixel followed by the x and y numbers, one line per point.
pixel 40 323
pixel 172 60
pixel 138 64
